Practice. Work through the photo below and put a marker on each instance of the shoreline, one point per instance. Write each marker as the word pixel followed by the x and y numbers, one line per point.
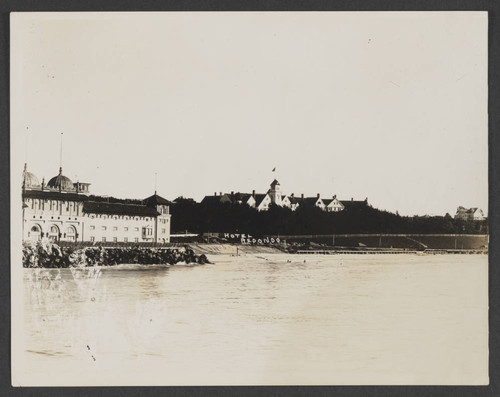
pixel 49 255
pixel 242 249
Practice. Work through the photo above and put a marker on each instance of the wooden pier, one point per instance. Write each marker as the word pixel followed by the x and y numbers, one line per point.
pixel 360 252
pixel 390 252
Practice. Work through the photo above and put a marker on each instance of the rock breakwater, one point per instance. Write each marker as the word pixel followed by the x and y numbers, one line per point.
pixel 50 255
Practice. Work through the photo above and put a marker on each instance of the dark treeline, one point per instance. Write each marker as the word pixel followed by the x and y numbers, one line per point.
pixel 360 218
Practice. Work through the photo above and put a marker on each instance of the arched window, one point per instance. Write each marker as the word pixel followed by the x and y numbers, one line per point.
pixel 54 233
pixel 71 233
pixel 35 233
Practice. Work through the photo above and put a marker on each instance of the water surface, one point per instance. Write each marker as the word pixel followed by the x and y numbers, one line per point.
pixel 260 319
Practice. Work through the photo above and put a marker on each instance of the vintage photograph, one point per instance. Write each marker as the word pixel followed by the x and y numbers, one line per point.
pixel 249 198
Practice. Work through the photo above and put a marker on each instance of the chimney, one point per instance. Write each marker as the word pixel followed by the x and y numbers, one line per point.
pixel 253 192
pixel 317 195
pixel 352 199
pixel 302 196
pixel 334 196
pixel 220 193
pixel 215 193
pixel 232 193
pixel 292 194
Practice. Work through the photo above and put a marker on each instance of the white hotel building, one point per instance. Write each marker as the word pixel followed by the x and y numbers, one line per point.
pixel 63 210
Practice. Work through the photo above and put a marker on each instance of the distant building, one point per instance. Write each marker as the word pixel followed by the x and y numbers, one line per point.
pixel 216 199
pixel 262 201
pixel 311 202
pixel 469 214
pixel 333 204
pixel 63 210
pixel 275 193
pixel 294 202
pixel 351 204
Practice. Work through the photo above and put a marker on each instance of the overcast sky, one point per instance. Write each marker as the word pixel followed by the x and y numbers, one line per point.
pixel 389 106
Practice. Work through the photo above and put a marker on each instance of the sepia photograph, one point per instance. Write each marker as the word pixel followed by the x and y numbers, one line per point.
pixel 249 198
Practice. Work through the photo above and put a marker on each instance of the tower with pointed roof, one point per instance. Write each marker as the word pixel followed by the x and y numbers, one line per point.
pixel 275 193
pixel 161 230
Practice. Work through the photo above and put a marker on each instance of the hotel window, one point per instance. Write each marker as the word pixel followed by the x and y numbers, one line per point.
pixel 125 239
pixel 92 238
pixel 103 227
pixel 115 228
pixel 92 227
pixel 125 228
pixel 104 239
pixel 136 240
pixel 115 239
pixel 163 231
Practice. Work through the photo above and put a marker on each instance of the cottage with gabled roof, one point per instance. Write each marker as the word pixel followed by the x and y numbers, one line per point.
pixel 262 201
pixel 469 214
pixel 333 204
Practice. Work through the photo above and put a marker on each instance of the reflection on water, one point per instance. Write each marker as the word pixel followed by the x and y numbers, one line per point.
pixel 271 319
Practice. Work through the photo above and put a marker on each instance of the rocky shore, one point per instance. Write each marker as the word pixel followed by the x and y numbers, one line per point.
pixel 49 255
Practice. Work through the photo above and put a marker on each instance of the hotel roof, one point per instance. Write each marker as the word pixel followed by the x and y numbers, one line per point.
pixel 155 200
pixel 92 207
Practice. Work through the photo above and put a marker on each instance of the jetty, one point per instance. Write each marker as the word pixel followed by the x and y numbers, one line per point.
pixel 389 252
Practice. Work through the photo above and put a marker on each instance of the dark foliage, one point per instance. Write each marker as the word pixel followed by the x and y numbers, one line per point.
pixel 360 218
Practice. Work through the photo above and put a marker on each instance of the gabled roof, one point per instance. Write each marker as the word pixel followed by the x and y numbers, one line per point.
pixel 216 199
pixel 354 203
pixel 294 200
pixel 92 207
pixel 154 200
pixel 258 198
pixel 330 201
pixel 239 196
pixel 310 201
pixel 274 183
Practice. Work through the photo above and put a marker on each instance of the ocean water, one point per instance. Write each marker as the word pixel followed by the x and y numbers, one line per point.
pixel 270 319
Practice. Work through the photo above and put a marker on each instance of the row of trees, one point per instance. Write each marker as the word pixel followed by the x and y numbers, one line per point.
pixel 188 215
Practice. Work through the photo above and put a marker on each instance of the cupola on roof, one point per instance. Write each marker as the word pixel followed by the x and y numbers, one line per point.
pixel 29 179
pixel 60 182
